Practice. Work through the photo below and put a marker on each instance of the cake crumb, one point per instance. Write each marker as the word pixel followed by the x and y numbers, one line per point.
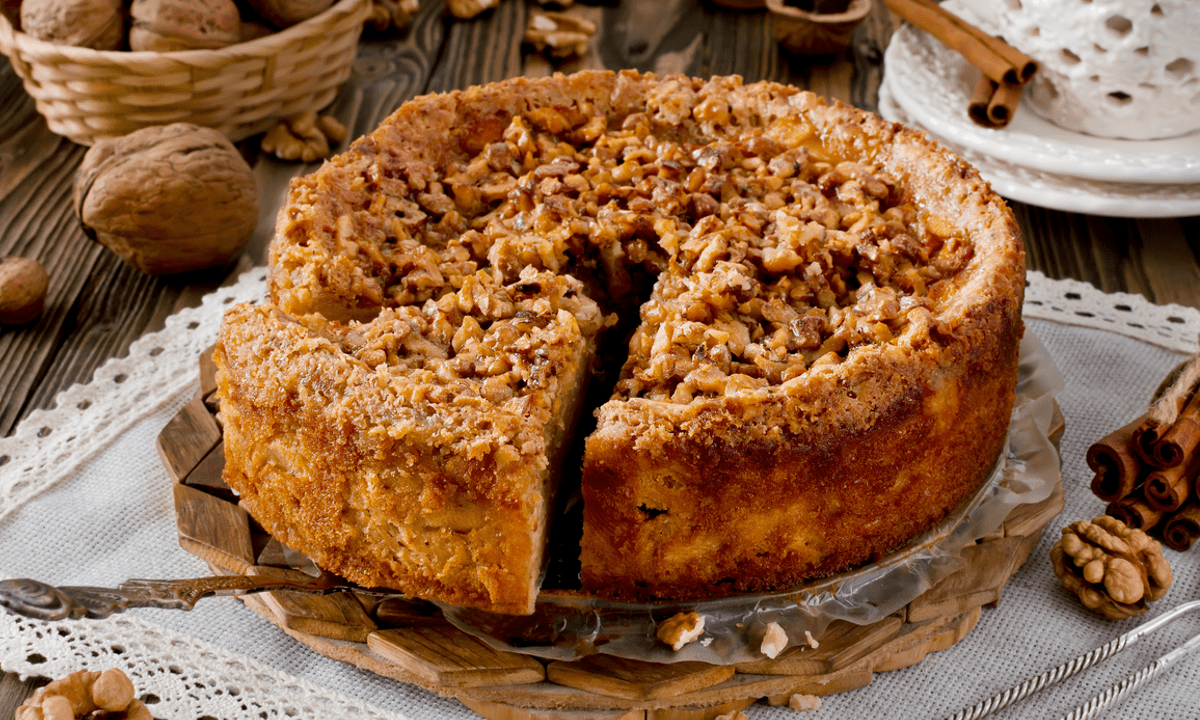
pixel 680 629
pixel 812 641
pixel 735 715
pixel 774 641
pixel 804 702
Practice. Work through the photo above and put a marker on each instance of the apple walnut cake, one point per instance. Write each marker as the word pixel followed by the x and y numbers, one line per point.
pixel 820 313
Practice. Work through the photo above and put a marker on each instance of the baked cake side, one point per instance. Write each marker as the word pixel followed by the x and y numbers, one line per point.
pixel 812 385
pixel 823 366
pixel 419 451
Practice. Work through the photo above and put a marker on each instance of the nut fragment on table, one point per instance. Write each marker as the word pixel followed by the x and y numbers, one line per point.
pixel 86 693
pixel 1115 570
pixel 774 640
pixel 467 9
pixel 306 137
pixel 96 24
pixel 168 198
pixel 170 25
pixel 804 702
pixel 23 285
pixel 387 15
pixel 558 35
pixel 680 629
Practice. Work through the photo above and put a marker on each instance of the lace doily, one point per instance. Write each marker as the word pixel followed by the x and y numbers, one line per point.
pixel 49 444
pixel 188 666
pixel 1173 327
pixel 162 665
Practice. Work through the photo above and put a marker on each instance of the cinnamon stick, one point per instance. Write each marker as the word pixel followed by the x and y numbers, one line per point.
pixel 1135 512
pixel 1145 438
pixel 997 59
pixel 1166 490
pixel 993 105
pixel 1115 462
pixel 1183 528
pixel 1181 440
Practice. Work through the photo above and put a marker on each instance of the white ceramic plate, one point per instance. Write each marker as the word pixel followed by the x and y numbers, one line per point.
pixel 1060 192
pixel 933 84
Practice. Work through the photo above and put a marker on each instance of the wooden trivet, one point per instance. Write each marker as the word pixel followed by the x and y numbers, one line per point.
pixel 411 642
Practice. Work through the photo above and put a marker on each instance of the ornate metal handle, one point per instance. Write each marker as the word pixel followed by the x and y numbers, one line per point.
pixel 35 599
pixel 1083 662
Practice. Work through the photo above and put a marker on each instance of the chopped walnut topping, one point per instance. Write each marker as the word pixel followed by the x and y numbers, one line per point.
pixel 772 257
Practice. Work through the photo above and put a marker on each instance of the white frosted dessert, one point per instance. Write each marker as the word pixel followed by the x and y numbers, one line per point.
pixel 1111 68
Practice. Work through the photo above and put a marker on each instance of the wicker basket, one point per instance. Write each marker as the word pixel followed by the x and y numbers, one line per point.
pixel 241 90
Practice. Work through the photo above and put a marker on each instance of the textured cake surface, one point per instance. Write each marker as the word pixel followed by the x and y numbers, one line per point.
pixel 824 315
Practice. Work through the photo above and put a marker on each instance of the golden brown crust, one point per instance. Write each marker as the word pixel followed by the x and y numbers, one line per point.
pixel 781 481
pixel 823 369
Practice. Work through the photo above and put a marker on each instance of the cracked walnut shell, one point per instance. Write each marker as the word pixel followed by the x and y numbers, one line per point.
pixel 168 199
pixel 1115 570
pixel 96 24
pixel 170 25
pixel 23 286
pixel 285 13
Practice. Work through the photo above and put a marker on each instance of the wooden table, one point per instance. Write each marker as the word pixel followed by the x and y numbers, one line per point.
pixel 97 305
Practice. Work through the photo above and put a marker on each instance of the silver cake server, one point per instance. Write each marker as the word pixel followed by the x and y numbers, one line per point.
pixel 36 599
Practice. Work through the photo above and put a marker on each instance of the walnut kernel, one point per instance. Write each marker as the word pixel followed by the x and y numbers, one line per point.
pixel 306 137
pixel 168 199
pixel 558 34
pixel 96 24
pixel 680 629
pixel 85 694
pixel 1115 570
pixel 467 9
pixel 774 640
pixel 169 25
pixel 23 285
pixel 113 690
pixel 387 15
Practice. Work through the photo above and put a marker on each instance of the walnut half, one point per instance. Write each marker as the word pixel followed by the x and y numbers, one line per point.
pixel 558 34
pixel 307 137
pixel 1115 570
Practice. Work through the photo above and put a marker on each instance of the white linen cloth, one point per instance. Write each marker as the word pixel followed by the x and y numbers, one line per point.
pixel 84 500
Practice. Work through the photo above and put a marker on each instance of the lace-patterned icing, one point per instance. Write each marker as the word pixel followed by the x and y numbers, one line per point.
pixel 194 679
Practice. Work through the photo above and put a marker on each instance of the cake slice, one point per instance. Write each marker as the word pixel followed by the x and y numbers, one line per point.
pixel 419 451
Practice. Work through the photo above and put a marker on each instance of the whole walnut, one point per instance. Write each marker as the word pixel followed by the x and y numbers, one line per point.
pixel 169 25
pixel 96 24
pixel 168 199
pixel 23 285
pixel 285 13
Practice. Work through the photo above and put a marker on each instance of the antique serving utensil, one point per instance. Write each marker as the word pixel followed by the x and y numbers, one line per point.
pixel 35 599
pixel 1098 704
